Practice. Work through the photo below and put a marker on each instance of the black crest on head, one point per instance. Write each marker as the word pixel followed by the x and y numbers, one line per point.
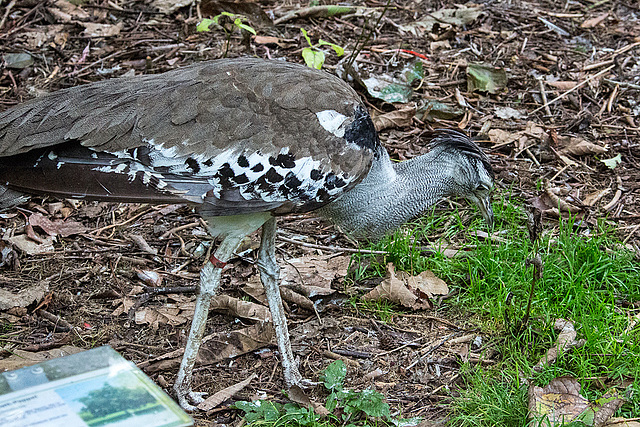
pixel 458 140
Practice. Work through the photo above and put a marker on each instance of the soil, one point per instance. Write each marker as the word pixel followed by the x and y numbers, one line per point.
pixel 94 292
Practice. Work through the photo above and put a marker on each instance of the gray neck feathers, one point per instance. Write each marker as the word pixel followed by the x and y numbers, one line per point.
pixel 393 194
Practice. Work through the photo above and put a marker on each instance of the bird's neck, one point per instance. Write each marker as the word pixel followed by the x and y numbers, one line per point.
pixel 393 194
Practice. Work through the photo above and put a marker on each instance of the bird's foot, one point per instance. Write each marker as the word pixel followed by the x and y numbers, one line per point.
pixel 306 384
pixel 190 399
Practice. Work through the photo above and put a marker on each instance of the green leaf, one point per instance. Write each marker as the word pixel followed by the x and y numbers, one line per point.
pixel 332 402
pixel 313 58
pixel 334 375
pixel 304 33
pixel 339 50
pixel 238 23
pixel 337 10
pixel 612 162
pixel 204 25
pixel 370 402
pixel 486 78
pixel 260 410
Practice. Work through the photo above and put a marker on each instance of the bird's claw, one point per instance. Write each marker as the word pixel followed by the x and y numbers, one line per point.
pixel 189 401
pixel 306 384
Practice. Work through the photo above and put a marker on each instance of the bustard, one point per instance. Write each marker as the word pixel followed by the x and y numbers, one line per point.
pixel 243 140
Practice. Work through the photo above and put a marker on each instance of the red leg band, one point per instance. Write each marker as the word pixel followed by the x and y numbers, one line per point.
pixel 216 262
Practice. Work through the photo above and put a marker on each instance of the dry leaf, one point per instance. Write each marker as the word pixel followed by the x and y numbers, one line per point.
pixel 592 198
pixel 169 6
pixel 580 147
pixel 622 422
pixel 161 316
pixel 238 308
pixel 101 30
pixel 28 246
pixel 56 227
pixel 395 119
pixel 65 12
pixel 20 358
pixel 563 85
pixel 593 22
pixel 220 346
pixel 560 403
pixel 409 291
pixel 566 339
pixel 314 270
pixel 24 297
pixel 426 282
pixel 225 394
pixel 503 137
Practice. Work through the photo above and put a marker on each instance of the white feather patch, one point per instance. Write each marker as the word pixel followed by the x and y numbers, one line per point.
pixel 332 121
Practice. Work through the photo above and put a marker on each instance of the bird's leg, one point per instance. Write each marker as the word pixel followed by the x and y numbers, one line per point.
pixel 209 285
pixel 269 274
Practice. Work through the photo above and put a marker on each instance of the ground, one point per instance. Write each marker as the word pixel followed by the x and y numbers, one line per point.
pixel 549 156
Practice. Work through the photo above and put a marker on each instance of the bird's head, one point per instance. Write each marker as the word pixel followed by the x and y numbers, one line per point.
pixel 471 172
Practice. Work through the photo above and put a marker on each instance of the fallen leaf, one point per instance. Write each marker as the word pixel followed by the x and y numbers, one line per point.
pixel 395 119
pixel 562 85
pixel 444 18
pixel 225 394
pixel 566 339
pixel 593 22
pixel 65 12
pixel 409 291
pixel 560 403
pixel 395 86
pixel 622 422
pixel 226 345
pixel 168 6
pixel 509 113
pixel 28 246
pixel 485 78
pixel 612 162
pixel 92 29
pixel 57 227
pixel 238 308
pixel 20 358
pixel 580 147
pixel 24 297
pixel 162 315
pixel 313 274
pixel 592 198
pixel 425 282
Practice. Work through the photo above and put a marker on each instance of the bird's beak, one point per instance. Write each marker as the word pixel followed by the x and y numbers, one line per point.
pixel 484 204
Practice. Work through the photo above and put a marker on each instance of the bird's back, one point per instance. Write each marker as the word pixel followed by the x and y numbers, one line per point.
pixel 233 136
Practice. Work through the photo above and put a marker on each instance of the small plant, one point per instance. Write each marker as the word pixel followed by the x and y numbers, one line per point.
pixel 355 408
pixel 236 22
pixel 313 56
pixel 353 404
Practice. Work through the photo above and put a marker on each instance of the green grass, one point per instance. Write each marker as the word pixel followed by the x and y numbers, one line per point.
pixel 586 275
pixel 585 278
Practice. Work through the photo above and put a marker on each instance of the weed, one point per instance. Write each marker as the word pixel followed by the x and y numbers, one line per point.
pixel 313 56
pixel 237 22
pixel 353 408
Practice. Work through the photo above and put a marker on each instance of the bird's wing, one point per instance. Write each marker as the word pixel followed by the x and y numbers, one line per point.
pixel 253 135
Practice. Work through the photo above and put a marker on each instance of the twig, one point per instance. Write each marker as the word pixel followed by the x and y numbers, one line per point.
pixel 133 218
pixel 6 12
pixel 543 94
pixel 576 87
pixel 177 229
pixel 330 248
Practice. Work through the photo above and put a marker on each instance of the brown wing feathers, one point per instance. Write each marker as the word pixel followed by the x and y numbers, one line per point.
pixel 209 134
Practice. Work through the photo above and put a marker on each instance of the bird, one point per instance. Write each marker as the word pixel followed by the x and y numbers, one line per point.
pixel 244 141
